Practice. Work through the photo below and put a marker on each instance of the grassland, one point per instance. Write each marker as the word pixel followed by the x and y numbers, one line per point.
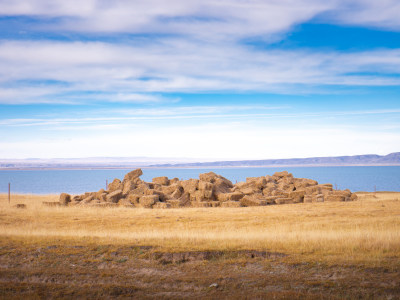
pixel 316 250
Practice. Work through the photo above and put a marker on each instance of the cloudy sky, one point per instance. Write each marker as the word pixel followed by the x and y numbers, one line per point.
pixel 229 79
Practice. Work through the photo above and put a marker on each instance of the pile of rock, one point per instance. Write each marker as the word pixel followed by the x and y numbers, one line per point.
pixel 210 190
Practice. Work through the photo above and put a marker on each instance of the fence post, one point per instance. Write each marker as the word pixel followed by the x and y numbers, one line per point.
pixel 9 193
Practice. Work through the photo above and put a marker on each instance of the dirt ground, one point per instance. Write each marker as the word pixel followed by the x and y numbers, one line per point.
pixel 70 271
pixel 40 265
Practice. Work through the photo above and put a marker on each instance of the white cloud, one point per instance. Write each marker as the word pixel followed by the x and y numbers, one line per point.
pixel 380 14
pixel 226 141
pixel 130 72
pixel 203 19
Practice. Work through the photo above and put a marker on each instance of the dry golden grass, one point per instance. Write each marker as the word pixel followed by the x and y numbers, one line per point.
pixel 367 230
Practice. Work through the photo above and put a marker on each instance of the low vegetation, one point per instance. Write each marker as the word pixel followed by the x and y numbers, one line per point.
pixel 302 250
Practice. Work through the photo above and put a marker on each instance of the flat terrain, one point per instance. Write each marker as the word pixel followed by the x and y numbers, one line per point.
pixel 316 250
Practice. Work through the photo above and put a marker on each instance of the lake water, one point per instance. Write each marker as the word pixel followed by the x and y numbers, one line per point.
pixel 80 181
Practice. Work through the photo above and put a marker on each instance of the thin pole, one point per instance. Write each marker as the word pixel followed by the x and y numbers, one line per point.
pixel 9 193
pixel 106 184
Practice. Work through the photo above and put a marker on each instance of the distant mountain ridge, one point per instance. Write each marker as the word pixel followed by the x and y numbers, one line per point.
pixel 392 159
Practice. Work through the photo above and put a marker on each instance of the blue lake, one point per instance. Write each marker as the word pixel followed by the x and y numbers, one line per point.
pixel 80 181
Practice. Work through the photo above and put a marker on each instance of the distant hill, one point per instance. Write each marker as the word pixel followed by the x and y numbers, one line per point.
pixel 392 159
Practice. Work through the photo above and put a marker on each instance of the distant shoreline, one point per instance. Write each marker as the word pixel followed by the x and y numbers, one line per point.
pixel 192 167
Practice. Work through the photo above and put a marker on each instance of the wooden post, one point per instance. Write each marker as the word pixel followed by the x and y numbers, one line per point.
pixel 9 193
pixel 106 184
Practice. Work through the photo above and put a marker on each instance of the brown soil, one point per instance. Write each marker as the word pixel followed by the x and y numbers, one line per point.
pixel 65 270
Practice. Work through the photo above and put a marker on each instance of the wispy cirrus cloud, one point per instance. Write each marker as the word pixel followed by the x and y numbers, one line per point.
pixel 205 113
pixel 229 18
pixel 102 71
pixel 128 71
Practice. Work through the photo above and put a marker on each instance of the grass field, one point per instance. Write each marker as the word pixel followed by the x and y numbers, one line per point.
pixel 296 250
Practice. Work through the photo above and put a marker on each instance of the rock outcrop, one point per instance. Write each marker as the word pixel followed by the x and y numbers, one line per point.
pixel 210 190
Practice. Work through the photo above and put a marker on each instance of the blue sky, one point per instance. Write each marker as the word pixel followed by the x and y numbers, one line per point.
pixel 231 79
